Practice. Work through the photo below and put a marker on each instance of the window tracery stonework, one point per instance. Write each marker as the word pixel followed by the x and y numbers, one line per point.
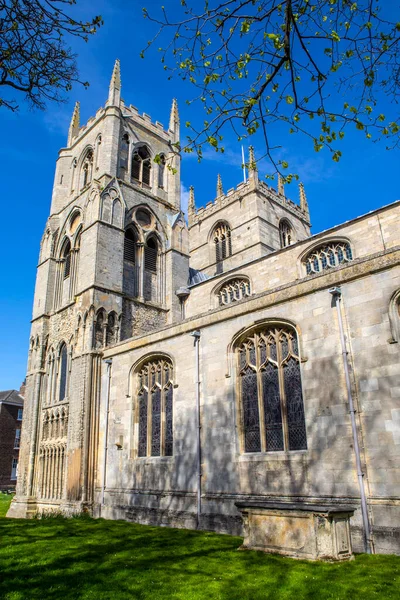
pixel 155 409
pixel 271 400
pixel 328 256
pixel 233 290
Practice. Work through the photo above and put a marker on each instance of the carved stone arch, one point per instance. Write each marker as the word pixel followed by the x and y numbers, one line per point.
pixel 112 328
pixel 394 317
pixel 334 242
pixel 155 226
pixel 99 330
pixel 138 364
pixel 141 164
pixel 258 325
pixel 244 287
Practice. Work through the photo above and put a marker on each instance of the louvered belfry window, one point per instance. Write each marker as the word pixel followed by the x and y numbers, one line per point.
pixel 271 396
pixel 150 256
pixel 155 408
pixel 222 241
pixel 67 259
pixel 130 246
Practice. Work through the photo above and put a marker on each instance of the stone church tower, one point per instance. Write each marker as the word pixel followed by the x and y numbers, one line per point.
pixel 114 251
pixel 178 371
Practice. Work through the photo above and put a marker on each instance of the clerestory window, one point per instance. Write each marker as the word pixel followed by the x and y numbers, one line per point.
pixel 155 408
pixel 233 290
pixel 327 256
pixel 271 399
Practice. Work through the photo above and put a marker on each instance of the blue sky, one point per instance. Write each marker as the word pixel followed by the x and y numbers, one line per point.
pixel 366 178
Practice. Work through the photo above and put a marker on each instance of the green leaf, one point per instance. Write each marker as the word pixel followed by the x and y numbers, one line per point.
pixel 289 99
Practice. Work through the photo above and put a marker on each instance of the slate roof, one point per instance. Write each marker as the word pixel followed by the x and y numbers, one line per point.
pixel 11 397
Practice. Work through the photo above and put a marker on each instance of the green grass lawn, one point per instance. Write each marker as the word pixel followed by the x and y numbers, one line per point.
pixel 84 558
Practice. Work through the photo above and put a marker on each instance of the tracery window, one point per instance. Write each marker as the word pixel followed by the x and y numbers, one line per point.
pixel 234 290
pixel 328 255
pixel 285 233
pixel 155 408
pixel 141 165
pixel 272 410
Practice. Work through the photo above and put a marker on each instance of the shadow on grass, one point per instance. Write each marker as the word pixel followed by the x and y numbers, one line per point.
pixel 69 559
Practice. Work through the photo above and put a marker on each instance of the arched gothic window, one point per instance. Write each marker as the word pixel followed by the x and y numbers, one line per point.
pixel 271 399
pixel 285 233
pixel 66 257
pixel 155 408
pixel 141 165
pixel 161 172
pixel 131 266
pixel 87 168
pixel 130 246
pixel 63 372
pixel 223 244
pixel 326 256
pixel 233 290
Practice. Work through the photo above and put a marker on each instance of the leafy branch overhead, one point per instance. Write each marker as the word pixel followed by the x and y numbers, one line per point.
pixel 317 66
pixel 35 60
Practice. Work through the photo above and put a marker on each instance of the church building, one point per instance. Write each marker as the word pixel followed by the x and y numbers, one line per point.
pixel 177 369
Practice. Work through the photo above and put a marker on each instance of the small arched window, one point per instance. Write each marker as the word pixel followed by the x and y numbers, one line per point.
pixel 285 233
pixel 141 165
pixel 327 256
pixel 161 172
pixel 223 244
pixel 87 168
pixel 233 290
pixel 155 408
pixel 150 255
pixel 63 372
pixel 66 257
pixel 130 246
pixel 271 399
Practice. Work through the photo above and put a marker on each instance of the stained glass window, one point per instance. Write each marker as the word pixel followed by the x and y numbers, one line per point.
pixel 272 407
pixel 155 408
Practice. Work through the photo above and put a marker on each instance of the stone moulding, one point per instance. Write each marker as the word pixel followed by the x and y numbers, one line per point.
pixel 298 530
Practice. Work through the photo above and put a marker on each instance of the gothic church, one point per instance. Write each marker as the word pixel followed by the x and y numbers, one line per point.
pixel 176 369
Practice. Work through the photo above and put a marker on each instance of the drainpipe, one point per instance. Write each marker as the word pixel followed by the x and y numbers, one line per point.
pixel 337 294
pixel 103 487
pixel 196 334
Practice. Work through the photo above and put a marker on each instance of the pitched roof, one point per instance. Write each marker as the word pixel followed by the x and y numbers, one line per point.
pixel 11 397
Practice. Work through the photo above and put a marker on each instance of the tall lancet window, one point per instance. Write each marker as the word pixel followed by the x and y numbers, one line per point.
pixel 154 408
pixel 63 372
pixel 131 267
pixel 141 165
pixel 66 257
pixel 271 398
pixel 161 172
pixel 285 233
pixel 151 279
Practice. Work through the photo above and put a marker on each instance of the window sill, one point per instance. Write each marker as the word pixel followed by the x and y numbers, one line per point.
pixel 277 455
pixel 152 459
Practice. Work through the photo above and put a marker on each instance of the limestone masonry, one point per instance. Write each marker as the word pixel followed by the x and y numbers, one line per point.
pixel 177 370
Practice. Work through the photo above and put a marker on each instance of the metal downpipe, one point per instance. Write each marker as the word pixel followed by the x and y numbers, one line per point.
pixel 337 294
pixel 196 335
